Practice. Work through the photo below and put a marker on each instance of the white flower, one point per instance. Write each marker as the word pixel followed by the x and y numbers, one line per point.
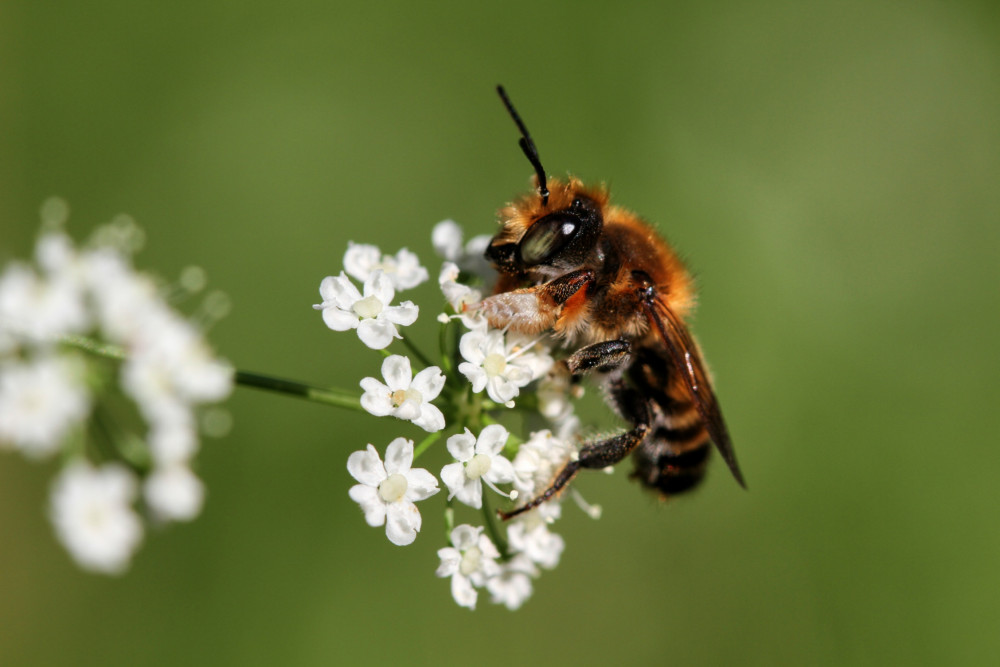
pixel 405 396
pixel 387 492
pixel 122 297
pixel 513 585
pixel 458 295
pixel 39 403
pixel 171 361
pixel 470 562
pixel 553 394
pixel 174 493
pixel 92 514
pixel 536 464
pixel 404 271
pixel 530 535
pixel 345 308
pixel 55 253
pixel 446 237
pixel 502 368
pixel 39 308
pixel 173 433
pixel 477 461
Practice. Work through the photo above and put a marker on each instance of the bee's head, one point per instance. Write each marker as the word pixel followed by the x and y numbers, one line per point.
pixel 552 230
pixel 543 239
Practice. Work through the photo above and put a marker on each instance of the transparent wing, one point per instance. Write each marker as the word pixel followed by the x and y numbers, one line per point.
pixel 684 353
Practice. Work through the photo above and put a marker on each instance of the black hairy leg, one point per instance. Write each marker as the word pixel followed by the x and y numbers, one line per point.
pixel 603 453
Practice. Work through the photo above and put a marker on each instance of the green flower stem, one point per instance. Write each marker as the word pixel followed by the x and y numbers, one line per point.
pixel 94 347
pixel 449 521
pixel 491 527
pixel 337 397
pixel 446 364
pixel 104 433
pixel 421 357
pixel 425 443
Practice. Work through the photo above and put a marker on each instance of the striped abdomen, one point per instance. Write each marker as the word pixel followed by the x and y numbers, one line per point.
pixel 673 456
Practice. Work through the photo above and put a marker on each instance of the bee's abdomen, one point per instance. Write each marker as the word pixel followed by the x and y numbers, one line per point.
pixel 673 457
pixel 672 461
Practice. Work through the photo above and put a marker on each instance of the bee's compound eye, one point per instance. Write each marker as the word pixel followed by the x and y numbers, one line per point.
pixel 547 237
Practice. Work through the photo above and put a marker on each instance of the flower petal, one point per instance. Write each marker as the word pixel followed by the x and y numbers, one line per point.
pixel 471 493
pixel 340 290
pixel 339 320
pixel 409 273
pixel 377 334
pixel 474 374
pixel 429 382
pixel 420 484
pixel 398 456
pixel 453 476
pixel 377 398
pixel 451 558
pixel 501 471
pixel 491 440
pixel 379 286
pixel 366 467
pixel 397 373
pixel 500 389
pixel 470 346
pixel 361 259
pixel 402 523
pixel 464 536
pixel 409 410
pixel 371 504
pixel 462 446
pixel 463 592
pixel 446 237
pixel 431 419
pixel 404 314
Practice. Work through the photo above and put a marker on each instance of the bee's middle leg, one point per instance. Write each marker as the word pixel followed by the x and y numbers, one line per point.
pixel 604 356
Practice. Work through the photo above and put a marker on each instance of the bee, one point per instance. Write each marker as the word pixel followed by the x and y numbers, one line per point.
pixel 607 285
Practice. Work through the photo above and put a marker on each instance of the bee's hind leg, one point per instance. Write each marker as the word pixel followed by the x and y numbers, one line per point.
pixel 603 453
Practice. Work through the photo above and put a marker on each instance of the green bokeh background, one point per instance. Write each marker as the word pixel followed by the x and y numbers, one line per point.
pixel 832 172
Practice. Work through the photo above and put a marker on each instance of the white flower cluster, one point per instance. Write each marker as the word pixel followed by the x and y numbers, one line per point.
pixel 485 360
pixel 370 312
pixel 91 299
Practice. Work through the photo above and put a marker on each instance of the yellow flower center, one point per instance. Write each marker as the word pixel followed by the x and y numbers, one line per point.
pixel 470 561
pixel 494 364
pixel 392 488
pixel 401 395
pixel 367 307
pixel 478 466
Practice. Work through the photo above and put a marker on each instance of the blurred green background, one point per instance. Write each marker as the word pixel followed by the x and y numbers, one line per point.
pixel 831 171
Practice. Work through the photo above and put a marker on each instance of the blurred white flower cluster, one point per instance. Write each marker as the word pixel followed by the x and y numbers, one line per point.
pixel 481 374
pixel 100 372
pixel 97 367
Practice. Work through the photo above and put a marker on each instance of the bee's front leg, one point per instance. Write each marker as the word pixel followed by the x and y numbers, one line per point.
pixel 531 310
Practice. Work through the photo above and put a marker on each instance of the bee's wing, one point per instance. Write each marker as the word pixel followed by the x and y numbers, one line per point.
pixel 687 360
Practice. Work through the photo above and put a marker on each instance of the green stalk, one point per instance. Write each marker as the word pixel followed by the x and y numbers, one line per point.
pixel 421 357
pixel 337 397
pixel 329 396
pixel 491 528
pixel 425 443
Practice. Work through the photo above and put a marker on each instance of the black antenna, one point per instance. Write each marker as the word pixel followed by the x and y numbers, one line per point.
pixel 528 146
